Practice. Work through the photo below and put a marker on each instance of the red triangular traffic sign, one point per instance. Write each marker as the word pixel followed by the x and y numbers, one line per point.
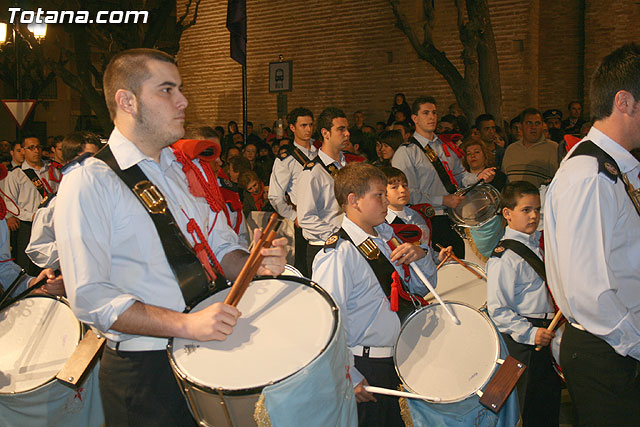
pixel 19 109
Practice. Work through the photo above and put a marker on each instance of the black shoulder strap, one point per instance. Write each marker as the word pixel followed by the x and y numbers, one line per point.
pixel 184 263
pixel 79 159
pixel 607 166
pixel 383 269
pixel 35 179
pixel 525 252
pixel 437 165
pixel 331 168
pixel 300 156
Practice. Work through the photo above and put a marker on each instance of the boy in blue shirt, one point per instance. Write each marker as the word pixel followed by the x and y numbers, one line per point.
pixel 521 306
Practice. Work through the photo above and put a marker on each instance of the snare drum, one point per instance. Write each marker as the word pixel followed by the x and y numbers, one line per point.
pixel 287 354
pixel 452 364
pixel 479 206
pixel 456 283
pixel 37 336
pixel 555 350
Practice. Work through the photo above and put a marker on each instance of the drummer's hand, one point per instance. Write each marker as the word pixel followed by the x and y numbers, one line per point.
pixel 544 336
pixel 213 323
pixel 363 395
pixel 487 175
pixel 54 285
pixel 275 257
pixel 406 253
pixel 452 200
pixel 445 252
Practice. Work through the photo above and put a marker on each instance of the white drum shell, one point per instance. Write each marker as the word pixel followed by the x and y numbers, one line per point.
pixel 437 358
pixel 285 325
pixel 456 283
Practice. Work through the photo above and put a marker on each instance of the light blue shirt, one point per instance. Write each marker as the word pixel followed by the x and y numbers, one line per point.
pixel 21 190
pixel 424 184
pixel 592 241
pixel 284 177
pixel 515 290
pixel 110 252
pixel 319 214
pixel 9 270
pixel 365 309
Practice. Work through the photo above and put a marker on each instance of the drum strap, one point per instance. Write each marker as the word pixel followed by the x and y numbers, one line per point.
pixel 189 272
pixel 525 252
pixel 437 165
pixel 383 269
pixel 37 182
pixel 300 156
pixel 608 166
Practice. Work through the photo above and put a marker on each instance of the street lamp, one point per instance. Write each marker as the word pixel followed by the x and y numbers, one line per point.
pixel 3 32
pixel 39 30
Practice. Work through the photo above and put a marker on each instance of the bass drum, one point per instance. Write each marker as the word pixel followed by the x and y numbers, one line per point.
pixel 287 354
pixel 456 283
pixel 290 270
pixel 37 336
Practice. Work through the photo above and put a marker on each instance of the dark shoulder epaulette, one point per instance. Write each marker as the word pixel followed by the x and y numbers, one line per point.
pixel 286 152
pixel 606 164
pixel 331 242
pixel 309 166
pixel 228 185
pixel 498 251
pixel 46 200
pixel 78 160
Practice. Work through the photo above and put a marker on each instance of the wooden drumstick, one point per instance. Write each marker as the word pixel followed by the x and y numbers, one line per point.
pixel 424 280
pixel 443 261
pixel 390 392
pixel 553 325
pixel 462 263
pixel 252 264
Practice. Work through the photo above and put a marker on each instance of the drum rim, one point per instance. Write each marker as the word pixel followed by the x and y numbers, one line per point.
pixel 471 264
pixel 182 377
pixel 457 221
pixel 80 336
pixel 486 380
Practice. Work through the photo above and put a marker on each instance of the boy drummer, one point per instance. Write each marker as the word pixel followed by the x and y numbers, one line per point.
pixel 521 306
pixel 360 268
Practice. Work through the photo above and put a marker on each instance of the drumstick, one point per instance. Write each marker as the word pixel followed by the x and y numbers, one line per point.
pixel 443 261
pixel 553 325
pixel 11 288
pixel 466 190
pixel 390 392
pixel 252 264
pixel 424 279
pixel 462 263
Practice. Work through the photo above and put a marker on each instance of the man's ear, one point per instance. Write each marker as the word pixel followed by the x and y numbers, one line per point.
pixel 325 133
pixel 126 101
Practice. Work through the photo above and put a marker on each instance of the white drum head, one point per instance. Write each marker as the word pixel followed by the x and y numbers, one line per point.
pixel 37 336
pixel 437 358
pixel 456 283
pixel 290 270
pixel 283 327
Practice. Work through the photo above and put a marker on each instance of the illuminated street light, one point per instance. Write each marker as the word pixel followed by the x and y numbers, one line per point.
pixel 39 30
pixel 3 32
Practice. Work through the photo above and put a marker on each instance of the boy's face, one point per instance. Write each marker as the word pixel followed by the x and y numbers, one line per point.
pixel 372 207
pixel 398 194
pixel 526 215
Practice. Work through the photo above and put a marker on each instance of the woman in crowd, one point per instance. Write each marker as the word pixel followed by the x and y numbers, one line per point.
pixel 254 193
pixel 399 105
pixel 477 157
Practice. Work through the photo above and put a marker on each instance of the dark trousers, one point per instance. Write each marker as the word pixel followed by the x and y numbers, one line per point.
pixel 444 234
pixel 312 250
pixel 604 386
pixel 386 411
pixel 138 388
pixel 13 241
pixel 539 386
pixel 300 261
pixel 24 235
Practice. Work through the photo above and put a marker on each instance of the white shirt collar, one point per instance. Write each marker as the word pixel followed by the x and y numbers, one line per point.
pixel 311 150
pixel 528 239
pixel 358 235
pixel 328 160
pixel 128 154
pixel 423 140
pixel 25 165
pixel 625 160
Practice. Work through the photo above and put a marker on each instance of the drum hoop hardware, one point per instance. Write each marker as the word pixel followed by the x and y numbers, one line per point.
pixel 151 197
pixel 227 415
